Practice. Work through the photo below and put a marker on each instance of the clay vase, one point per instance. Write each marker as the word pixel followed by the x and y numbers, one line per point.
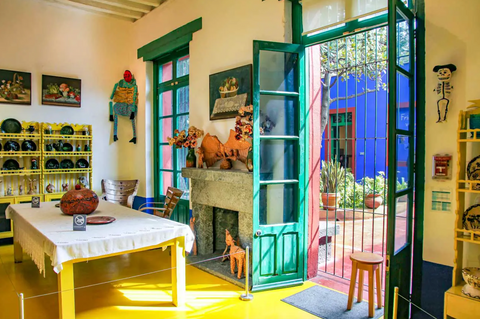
pixel 249 162
pixel 373 201
pixel 191 158
pixel 83 201
pixel 330 200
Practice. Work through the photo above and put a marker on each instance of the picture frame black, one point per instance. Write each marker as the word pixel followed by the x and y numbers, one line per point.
pixel 61 91
pixel 15 87
pixel 218 99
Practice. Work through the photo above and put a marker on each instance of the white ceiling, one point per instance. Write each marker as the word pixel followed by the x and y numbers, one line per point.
pixel 131 10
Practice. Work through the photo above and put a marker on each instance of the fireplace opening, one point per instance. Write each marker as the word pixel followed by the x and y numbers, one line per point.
pixel 224 219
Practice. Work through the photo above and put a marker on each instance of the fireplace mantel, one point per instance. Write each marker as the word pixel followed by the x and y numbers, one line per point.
pixel 228 189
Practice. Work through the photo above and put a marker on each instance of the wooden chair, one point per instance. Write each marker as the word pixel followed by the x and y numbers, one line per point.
pixel 121 192
pixel 371 263
pixel 171 199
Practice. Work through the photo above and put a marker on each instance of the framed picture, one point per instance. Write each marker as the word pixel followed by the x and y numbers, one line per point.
pixel 230 90
pixel 61 91
pixel 15 87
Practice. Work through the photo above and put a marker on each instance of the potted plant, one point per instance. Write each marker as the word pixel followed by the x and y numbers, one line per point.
pixel 332 178
pixel 374 189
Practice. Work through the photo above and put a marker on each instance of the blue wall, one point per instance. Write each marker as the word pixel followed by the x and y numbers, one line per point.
pixel 371 124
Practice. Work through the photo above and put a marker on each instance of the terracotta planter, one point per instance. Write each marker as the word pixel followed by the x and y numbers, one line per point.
pixel 330 199
pixel 373 201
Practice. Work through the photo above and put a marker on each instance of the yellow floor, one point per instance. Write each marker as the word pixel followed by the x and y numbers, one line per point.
pixel 141 297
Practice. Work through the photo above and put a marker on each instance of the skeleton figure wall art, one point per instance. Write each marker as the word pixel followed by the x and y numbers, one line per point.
pixel 125 101
pixel 443 89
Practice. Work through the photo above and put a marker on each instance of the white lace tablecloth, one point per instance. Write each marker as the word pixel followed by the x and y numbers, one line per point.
pixel 46 230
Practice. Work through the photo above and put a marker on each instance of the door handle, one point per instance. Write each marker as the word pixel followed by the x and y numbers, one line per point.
pixel 258 233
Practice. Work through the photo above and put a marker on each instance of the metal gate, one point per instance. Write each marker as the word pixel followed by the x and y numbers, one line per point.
pixel 354 73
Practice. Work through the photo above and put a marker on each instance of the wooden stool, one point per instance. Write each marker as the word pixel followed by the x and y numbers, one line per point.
pixel 369 262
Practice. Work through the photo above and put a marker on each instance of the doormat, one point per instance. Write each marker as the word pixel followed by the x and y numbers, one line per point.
pixel 329 304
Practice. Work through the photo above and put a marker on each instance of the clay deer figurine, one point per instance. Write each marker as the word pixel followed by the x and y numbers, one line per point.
pixel 192 227
pixel 237 254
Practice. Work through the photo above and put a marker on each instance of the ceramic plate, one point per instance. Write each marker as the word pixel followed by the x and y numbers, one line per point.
pixel 11 146
pixel 67 147
pixel 11 126
pixel 66 163
pixel 29 146
pixel 97 220
pixel 66 130
pixel 52 164
pixel 82 163
pixel 471 218
pixel 11 164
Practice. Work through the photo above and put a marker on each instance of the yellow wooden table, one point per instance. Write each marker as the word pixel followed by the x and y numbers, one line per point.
pixel 46 230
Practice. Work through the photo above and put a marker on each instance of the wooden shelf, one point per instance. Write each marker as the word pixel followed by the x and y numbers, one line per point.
pixel 67 137
pixel 458 305
pixel 67 171
pixel 463 190
pixel 20 136
pixel 20 172
pixel 53 154
pixel 20 154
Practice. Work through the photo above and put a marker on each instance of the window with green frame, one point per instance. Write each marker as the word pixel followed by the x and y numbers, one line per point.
pixel 171 113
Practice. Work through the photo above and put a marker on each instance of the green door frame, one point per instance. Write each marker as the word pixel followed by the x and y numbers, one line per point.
pixel 285 267
pixel 181 213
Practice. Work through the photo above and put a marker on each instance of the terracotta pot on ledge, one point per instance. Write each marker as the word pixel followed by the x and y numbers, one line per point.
pixel 373 201
pixel 330 199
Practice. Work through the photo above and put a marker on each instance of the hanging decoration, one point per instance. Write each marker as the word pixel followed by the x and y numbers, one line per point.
pixel 125 102
pixel 443 89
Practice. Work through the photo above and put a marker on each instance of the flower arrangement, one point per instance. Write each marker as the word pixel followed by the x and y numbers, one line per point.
pixel 9 90
pixel 243 123
pixel 185 139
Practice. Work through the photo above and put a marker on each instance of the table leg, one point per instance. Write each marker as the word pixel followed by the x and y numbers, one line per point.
pixel 178 272
pixel 17 252
pixel 66 295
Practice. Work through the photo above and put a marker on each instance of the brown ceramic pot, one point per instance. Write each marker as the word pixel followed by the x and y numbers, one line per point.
pixel 373 201
pixel 83 201
pixel 330 199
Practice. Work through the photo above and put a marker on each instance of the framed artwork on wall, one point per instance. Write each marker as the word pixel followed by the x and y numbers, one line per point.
pixel 229 91
pixel 61 91
pixel 15 87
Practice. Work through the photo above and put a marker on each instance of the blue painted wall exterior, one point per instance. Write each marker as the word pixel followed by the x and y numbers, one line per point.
pixel 371 124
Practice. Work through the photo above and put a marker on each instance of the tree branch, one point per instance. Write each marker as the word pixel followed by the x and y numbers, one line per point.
pixel 351 96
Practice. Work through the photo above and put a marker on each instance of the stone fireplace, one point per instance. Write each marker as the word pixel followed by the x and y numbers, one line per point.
pixel 220 198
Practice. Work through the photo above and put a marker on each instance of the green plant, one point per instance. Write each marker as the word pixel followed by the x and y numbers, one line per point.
pixel 375 186
pixel 332 177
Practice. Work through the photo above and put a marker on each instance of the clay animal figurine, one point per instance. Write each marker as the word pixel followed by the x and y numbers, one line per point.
pixel 237 255
pixel 9 191
pixel 125 97
pixel 65 187
pixel 83 181
pixel 31 187
pixel 50 188
pixel 192 227
pixel 443 89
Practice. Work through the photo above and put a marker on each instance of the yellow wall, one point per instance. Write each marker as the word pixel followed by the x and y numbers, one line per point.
pixel 225 42
pixel 452 36
pixel 44 38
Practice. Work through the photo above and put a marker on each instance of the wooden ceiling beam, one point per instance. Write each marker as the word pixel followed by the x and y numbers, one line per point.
pixel 101 7
pixel 68 3
pixel 153 3
pixel 125 4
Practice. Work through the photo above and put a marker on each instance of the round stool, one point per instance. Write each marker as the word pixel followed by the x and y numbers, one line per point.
pixel 369 262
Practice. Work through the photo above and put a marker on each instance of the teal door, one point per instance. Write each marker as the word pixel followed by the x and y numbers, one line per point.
pixel 401 155
pixel 278 254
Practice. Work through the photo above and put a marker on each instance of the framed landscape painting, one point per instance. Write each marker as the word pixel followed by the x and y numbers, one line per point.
pixel 61 91
pixel 229 91
pixel 15 87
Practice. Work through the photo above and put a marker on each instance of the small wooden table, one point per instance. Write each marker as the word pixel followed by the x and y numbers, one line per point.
pixel 46 230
